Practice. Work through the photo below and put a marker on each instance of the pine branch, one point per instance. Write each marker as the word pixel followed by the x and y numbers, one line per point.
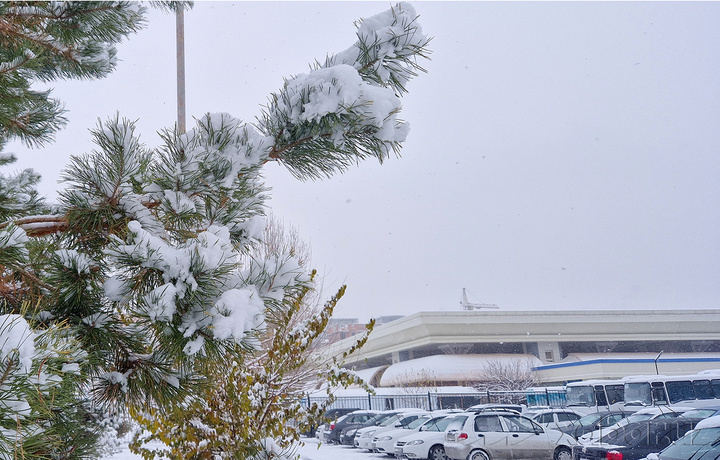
pixel 38 226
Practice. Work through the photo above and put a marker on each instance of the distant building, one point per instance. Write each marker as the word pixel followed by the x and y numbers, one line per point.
pixel 562 345
pixel 343 328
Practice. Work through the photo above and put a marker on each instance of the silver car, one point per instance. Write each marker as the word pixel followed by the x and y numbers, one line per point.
pixel 504 435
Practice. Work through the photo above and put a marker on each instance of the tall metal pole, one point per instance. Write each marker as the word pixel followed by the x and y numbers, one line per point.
pixel 180 47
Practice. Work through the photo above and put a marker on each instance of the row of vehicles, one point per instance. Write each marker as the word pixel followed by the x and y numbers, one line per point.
pixel 632 392
pixel 494 432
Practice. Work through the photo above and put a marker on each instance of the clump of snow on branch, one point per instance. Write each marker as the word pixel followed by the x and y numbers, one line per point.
pixel 18 341
pixel 229 321
pixel 74 260
pixel 13 237
pixel 387 47
pixel 339 90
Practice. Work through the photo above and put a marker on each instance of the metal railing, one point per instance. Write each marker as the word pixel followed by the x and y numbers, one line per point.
pixel 428 400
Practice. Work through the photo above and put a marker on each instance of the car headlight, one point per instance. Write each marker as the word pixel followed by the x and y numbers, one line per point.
pixel 385 438
pixel 414 442
pixel 367 434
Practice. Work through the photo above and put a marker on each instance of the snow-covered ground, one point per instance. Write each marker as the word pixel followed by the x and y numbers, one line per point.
pixel 312 450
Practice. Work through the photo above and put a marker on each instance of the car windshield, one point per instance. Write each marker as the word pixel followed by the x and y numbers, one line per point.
pixel 391 420
pixel 590 419
pixel 440 425
pixel 638 417
pixel 406 420
pixel 693 445
pixel 699 413
pixel 416 423
pixel 377 419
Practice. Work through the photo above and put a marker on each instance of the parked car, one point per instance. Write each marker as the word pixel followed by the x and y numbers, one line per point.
pixel 553 418
pixel 333 430
pixel 702 443
pixel 648 413
pixel 384 442
pixel 504 435
pixel 427 442
pixel 635 440
pixel 406 419
pixel 329 415
pixel 347 437
pixel 595 421
pixel 364 436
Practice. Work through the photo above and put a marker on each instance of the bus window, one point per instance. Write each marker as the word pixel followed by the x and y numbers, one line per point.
pixel 615 393
pixel 600 395
pixel 715 384
pixel 681 390
pixel 703 390
pixel 658 393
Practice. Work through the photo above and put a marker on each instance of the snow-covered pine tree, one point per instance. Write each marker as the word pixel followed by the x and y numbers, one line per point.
pixel 138 275
pixel 42 414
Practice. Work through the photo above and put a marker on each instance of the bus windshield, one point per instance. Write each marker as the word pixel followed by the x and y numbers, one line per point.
pixel 580 396
pixel 638 394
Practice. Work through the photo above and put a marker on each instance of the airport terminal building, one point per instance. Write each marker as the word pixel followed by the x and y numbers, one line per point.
pixel 446 348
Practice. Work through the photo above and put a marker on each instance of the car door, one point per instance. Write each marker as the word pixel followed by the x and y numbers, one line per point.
pixel 527 439
pixel 491 437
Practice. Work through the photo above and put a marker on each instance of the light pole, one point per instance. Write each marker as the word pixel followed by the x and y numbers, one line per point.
pixel 180 48
pixel 656 360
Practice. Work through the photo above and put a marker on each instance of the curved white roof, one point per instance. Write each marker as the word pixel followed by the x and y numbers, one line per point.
pixel 450 368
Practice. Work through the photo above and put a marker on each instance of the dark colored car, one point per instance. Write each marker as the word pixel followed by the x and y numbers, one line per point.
pixel 594 421
pixel 357 418
pixel 699 444
pixel 328 416
pixel 635 440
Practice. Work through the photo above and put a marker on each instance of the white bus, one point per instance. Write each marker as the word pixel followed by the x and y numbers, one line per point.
pixel 696 390
pixel 595 395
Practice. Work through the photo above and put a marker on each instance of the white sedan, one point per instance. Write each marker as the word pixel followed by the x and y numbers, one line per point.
pixel 427 442
pixel 384 442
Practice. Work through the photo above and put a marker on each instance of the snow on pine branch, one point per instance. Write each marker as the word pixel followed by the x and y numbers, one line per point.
pixel 347 109
pixel 235 304
pixel 387 49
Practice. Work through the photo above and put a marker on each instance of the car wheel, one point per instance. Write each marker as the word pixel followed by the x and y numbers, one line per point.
pixel 437 453
pixel 478 455
pixel 562 453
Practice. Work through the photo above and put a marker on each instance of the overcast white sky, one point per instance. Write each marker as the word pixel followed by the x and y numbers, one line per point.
pixel 562 155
